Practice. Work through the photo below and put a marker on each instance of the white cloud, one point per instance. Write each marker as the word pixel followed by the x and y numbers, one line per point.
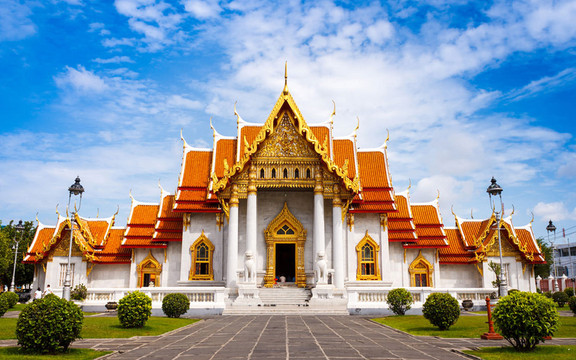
pixel 15 22
pixel 81 79
pixel 181 102
pixel 203 9
pixel 555 211
pixel 544 85
pixel 114 60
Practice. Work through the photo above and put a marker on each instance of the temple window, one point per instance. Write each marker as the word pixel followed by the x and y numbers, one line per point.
pixel 367 253
pixel 420 272
pixel 285 230
pixel 273 173
pixel 261 173
pixel 202 252
pixel 296 174
pixel 285 173
pixel 307 173
pixel 149 271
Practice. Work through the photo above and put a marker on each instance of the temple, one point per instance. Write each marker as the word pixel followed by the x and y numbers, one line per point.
pixel 284 216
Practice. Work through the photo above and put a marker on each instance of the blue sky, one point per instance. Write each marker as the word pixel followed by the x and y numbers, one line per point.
pixel 467 89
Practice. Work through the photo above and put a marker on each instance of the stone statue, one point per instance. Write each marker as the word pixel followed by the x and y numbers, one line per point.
pixel 321 270
pixel 249 268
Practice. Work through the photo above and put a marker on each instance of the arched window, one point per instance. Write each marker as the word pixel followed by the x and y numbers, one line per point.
pixel 285 173
pixel 261 173
pixel 367 253
pixel 296 174
pixel 202 253
pixel 307 173
pixel 420 272
pixel 285 230
pixel 149 271
pixel 273 173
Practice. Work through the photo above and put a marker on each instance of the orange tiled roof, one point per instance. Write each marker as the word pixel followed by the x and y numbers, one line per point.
pixel 401 226
pixel 168 225
pixel 455 253
pixel 140 227
pixel 41 238
pixel 373 172
pixel 249 132
pixel 113 253
pixel 321 133
pixel 429 227
pixel 225 149
pixel 196 172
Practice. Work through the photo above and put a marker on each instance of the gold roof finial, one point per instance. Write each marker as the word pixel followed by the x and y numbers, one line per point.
pixel 333 113
pixel 285 92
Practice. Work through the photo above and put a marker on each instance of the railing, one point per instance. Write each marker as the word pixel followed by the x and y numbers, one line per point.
pixel 200 297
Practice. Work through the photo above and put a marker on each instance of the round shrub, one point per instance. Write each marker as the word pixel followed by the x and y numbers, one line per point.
pixel 49 325
pixel 134 309
pixel 4 305
pixel 175 305
pixel 572 304
pixel 560 298
pixel 12 298
pixel 79 292
pixel 442 310
pixel 525 319
pixel 399 301
pixel 569 291
pixel 548 294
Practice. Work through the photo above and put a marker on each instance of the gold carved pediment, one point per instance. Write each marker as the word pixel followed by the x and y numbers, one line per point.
pixel 507 248
pixel 286 142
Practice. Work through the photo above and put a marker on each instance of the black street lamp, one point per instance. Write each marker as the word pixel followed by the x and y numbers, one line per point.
pixel 551 228
pixel 496 190
pixel 74 189
pixel 19 229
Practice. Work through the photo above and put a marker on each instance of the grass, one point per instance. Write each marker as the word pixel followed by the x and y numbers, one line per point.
pixel 18 307
pixel 76 354
pixel 108 327
pixel 465 327
pixel 558 352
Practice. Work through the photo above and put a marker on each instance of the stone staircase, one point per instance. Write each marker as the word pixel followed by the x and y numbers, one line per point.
pixel 283 301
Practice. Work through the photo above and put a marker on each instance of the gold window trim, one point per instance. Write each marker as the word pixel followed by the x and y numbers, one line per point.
pixel 421 266
pixel 201 240
pixel 272 238
pixel 149 266
pixel 376 248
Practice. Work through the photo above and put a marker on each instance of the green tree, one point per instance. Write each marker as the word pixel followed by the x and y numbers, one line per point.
pixel 24 272
pixel 495 268
pixel 543 269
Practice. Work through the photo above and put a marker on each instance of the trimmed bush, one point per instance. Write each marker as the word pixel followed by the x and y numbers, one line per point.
pixel 442 310
pixel 49 325
pixel 572 304
pixel 548 294
pixel 4 305
pixel 525 319
pixel 134 309
pixel 12 298
pixel 399 301
pixel 175 305
pixel 560 298
pixel 79 292
pixel 569 291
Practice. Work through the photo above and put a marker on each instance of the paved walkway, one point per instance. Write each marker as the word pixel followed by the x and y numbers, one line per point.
pixel 287 337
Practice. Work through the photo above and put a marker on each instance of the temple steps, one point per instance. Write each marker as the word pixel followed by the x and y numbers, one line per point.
pixel 283 301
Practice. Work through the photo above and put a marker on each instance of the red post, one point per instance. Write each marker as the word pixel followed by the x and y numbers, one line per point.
pixel 491 334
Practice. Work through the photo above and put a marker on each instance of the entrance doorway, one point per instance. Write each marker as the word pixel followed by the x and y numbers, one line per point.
pixel 286 261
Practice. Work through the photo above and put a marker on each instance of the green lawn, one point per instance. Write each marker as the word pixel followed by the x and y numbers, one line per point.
pixel 108 327
pixel 76 354
pixel 465 327
pixel 558 352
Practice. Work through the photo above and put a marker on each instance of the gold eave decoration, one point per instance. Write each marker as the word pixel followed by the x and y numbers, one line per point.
pixel 304 130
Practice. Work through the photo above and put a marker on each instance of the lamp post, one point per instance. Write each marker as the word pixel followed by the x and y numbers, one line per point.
pixel 75 189
pixel 496 190
pixel 19 229
pixel 551 228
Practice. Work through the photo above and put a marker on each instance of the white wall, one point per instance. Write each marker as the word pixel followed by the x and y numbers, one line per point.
pixel 460 276
pixel 109 276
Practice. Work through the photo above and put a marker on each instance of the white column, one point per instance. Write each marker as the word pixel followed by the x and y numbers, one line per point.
pixel 251 215
pixel 232 251
pixel 337 242
pixel 384 247
pixel 319 243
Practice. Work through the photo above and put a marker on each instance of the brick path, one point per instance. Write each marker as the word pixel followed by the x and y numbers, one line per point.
pixel 286 337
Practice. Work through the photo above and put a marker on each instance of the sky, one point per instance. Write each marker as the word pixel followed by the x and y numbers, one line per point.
pixel 467 90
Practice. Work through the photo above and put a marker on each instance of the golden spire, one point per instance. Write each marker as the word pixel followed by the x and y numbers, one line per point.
pixel 285 92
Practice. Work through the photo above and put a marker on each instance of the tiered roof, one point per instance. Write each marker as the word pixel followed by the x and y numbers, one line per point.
pixel 206 173
pixel 471 240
